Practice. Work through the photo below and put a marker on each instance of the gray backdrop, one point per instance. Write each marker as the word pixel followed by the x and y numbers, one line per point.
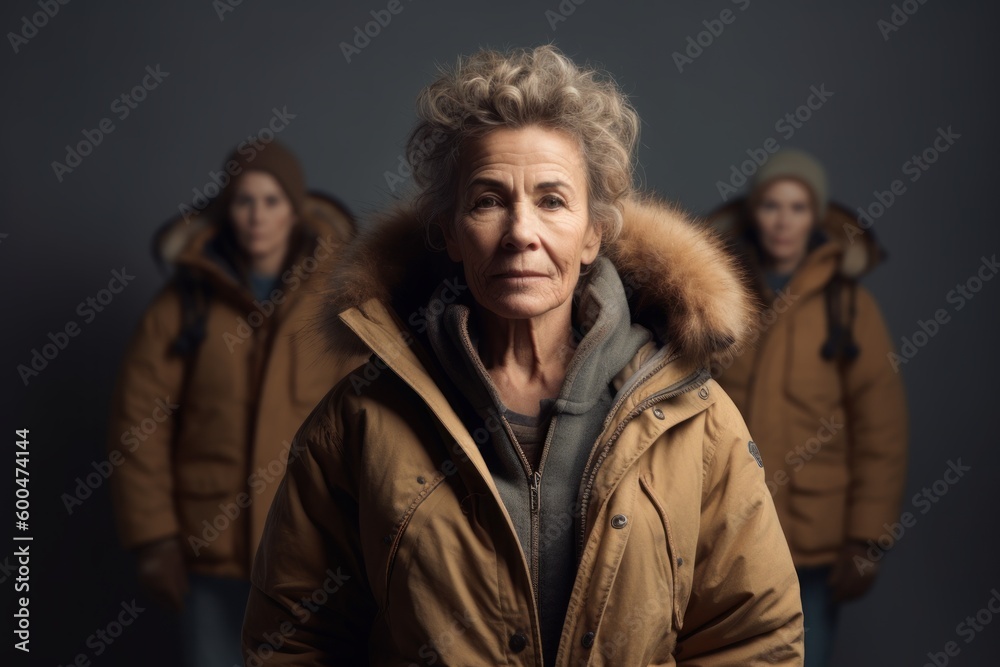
pixel 889 88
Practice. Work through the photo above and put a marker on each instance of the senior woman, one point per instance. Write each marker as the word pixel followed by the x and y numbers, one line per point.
pixel 535 466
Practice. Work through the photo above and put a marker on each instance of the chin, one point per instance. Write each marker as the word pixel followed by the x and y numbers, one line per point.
pixel 780 254
pixel 520 306
pixel 260 250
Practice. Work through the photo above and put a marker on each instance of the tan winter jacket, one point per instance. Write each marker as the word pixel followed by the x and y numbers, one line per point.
pixel 388 543
pixel 833 439
pixel 200 448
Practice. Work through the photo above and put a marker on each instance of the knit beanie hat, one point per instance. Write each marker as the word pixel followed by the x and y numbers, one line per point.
pixel 798 165
pixel 274 159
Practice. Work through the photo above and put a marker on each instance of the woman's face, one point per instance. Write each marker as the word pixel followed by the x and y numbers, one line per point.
pixel 784 218
pixel 522 227
pixel 262 214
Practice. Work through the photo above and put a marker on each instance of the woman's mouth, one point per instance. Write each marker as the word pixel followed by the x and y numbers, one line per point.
pixel 514 275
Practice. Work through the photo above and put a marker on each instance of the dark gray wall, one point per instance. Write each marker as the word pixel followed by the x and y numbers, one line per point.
pixel 890 96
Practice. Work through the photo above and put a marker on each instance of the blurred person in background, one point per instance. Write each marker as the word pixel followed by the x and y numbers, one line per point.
pixel 213 385
pixel 823 403
pixel 538 468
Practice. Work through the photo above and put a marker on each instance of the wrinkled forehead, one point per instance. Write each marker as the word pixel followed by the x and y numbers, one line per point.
pixel 532 154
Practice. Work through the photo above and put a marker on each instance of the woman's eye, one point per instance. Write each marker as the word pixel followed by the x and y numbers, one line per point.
pixel 552 201
pixel 487 202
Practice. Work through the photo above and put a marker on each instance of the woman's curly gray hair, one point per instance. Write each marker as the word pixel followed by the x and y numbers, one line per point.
pixel 541 86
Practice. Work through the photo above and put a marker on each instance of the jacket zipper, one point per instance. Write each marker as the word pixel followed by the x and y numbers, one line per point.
pixel 692 381
pixel 762 339
pixel 627 389
pixel 752 379
pixel 536 522
pixel 534 478
pixel 260 355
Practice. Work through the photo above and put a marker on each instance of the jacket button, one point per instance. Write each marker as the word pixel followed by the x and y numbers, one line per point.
pixel 703 392
pixel 619 521
pixel 517 642
pixel 658 413
pixel 421 480
pixel 587 640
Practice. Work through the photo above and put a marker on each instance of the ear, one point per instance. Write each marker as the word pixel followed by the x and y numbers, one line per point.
pixel 591 243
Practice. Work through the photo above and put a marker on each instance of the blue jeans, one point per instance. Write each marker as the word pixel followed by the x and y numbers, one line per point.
pixel 211 621
pixel 820 614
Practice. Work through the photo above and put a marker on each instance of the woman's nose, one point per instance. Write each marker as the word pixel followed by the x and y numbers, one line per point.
pixel 781 220
pixel 522 228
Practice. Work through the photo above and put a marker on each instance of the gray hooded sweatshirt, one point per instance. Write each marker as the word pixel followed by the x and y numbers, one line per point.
pixel 544 504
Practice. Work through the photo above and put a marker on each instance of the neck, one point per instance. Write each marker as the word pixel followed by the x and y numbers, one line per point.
pixel 269 264
pixel 528 353
pixel 785 266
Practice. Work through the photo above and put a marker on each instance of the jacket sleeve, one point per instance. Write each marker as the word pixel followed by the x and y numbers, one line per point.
pixel 142 425
pixel 310 602
pixel 877 418
pixel 744 607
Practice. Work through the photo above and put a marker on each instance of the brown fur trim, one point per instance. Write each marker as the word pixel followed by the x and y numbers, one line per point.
pixel 684 283
pixel 680 280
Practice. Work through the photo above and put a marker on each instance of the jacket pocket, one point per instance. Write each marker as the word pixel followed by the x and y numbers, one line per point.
pixel 811 382
pixel 668 563
pixel 405 535
pixel 209 516
pixel 818 505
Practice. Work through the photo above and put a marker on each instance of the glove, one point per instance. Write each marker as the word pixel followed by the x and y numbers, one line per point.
pixel 853 572
pixel 162 573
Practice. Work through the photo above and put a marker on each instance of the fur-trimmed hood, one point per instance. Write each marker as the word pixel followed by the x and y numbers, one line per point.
pixel 680 280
